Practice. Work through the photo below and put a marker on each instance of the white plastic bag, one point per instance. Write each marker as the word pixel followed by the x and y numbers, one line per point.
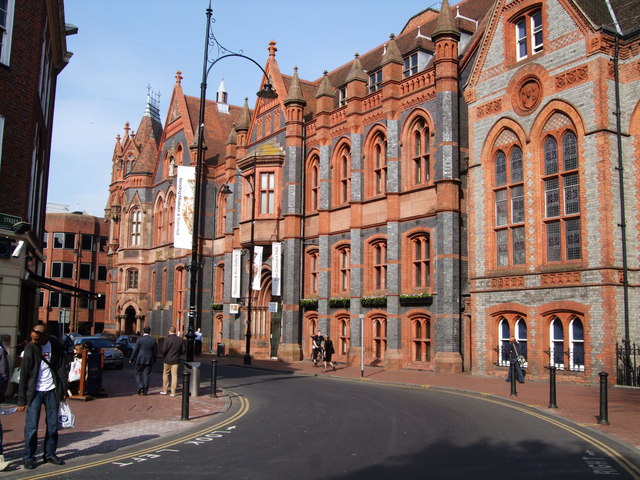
pixel 74 371
pixel 66 419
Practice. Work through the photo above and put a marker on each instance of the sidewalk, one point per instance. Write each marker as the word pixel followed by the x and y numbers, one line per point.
pixel 123 418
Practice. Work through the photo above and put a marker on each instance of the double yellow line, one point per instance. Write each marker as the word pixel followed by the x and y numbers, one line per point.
pixel 616 456
pixel 242 411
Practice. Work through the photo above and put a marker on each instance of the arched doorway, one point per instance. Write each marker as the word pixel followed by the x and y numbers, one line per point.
pixel 130 321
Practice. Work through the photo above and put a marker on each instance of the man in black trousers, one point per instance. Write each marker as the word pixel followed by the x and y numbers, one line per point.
pixel 143 357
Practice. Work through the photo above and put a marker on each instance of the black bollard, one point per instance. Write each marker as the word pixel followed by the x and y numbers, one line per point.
pixel 604 403
pixel 552 387
pixel 214 378
pixel 514 392
pixel 186 374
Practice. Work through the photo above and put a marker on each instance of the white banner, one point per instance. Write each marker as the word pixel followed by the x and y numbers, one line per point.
pixel 276 266
pixel 256 268
pixel 183 221
pixel 236 259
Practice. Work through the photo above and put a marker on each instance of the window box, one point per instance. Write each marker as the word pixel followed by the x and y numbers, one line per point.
pixel 340 302
pixel 372 302
pixel 216 306
pixel 309 303
pixel 416 299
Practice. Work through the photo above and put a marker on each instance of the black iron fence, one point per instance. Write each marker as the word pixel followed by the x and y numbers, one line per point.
pixel 627 360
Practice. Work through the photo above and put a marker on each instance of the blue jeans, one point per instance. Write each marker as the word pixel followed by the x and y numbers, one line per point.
pixel 50 402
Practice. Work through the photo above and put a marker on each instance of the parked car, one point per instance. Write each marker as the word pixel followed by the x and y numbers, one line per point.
pixel 113 357
pixel 126 343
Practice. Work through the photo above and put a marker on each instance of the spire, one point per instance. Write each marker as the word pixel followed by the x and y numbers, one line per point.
pixel 392 54
pixel 357 72
pixel 221 95
pixel 232 139
pixel 445 23
pixel 272 48
pixel 178 77
pixel 295 92
pixel 152 108
pixel 325 89
pixel 245 117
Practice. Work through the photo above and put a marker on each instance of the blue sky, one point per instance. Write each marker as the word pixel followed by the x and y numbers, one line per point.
pixel 124 45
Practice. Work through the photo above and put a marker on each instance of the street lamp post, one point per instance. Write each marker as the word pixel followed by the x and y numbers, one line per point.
pixel 266 92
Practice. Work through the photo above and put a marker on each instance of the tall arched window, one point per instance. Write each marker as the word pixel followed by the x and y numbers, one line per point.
pixel 420 153
pixel 504 335
pixel 158 217
pixel 313 184
pixel 376 166
pixel 511 325
pixel 341 174
pixel 311 285
pixel 521 337
pixel 344 335
pixel 556 346
pixel 562 193
pixel 221 214
pixel 170 212
pixel 508 194
pixel 576 339
pixel 312 328
pixel 420 261
pixel 342 270
pixel 379 335
pixel 421 332
pixel 135 227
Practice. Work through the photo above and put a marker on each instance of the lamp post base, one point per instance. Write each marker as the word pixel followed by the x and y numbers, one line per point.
pixel 247 359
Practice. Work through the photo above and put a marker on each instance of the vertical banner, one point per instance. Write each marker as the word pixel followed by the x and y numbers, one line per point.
pixel 236 258
pixel 276 267
pixel 183 221
pixel 256 268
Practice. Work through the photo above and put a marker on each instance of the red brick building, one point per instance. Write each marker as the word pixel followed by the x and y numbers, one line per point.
pixel 75 252
pixel 33 52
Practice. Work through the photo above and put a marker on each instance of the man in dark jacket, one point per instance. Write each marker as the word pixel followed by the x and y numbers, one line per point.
pixel 43 381
pixel 172 349
pixel 143 357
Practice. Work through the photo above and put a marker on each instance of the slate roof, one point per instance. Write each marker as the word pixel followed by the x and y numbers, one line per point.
pixel 626 12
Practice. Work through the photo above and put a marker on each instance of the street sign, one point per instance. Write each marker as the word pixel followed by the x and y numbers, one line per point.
pixel 7 221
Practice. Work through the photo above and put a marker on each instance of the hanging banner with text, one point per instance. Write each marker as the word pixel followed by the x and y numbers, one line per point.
pixel 236 259
pixel 276 268
pixel 183 221
pixel 256 268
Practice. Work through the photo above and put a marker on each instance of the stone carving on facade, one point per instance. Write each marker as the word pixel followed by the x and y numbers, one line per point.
pixel 507 282
pixel 489 108
pixel 527 95
pixel 572 77
pixel 561 278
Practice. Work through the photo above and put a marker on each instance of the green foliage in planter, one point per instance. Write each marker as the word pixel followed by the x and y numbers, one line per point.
pixel 416 299
pixel 377 301
pixel 216 306
pixel 309 303
pixel 340 302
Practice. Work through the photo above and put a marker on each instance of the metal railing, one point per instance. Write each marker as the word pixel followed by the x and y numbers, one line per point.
pixel 627 368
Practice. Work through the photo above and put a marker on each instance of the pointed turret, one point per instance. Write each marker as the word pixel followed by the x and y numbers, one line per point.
pixel 325 89
pixel 295 92
pixel 445 25
pixel 392 54
pixel 357 72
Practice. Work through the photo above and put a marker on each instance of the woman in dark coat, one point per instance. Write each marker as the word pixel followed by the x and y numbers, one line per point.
pixel 328 351
pixel 513 354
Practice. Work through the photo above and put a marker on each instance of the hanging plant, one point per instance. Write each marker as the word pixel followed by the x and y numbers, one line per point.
pixel 309 303
pixel 340 302
pixel 373 301
pixel 216 306
pixel 416 299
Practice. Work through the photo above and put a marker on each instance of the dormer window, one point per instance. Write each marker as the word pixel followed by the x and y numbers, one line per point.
pixel 375 81
pixel 529 37
pixel 342 96
pixel 410 65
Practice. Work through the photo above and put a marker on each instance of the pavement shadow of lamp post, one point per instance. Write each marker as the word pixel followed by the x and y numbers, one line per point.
pixel 267 92
pixel 226 191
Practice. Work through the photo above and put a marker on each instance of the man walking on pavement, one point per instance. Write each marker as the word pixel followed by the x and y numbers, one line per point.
pixel 143 357
pixel 172 349
pixel 43 381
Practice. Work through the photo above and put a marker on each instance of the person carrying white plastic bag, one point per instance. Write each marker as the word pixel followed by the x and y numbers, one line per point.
pixel 66 418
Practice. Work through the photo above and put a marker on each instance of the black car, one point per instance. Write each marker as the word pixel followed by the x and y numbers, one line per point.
pixel 126 343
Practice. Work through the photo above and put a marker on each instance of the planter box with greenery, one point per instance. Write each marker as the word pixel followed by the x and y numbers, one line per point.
pixel 373 301
pixel 340 302
pixel 216 306
pixel 309 303
pixel 416 299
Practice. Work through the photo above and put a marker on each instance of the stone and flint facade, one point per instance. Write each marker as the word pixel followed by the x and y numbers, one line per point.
pixel 410 203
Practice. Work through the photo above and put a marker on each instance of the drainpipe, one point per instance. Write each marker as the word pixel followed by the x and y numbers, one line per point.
pixel 623 223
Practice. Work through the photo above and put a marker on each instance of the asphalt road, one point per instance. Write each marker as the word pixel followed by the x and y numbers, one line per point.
pixel 294 427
